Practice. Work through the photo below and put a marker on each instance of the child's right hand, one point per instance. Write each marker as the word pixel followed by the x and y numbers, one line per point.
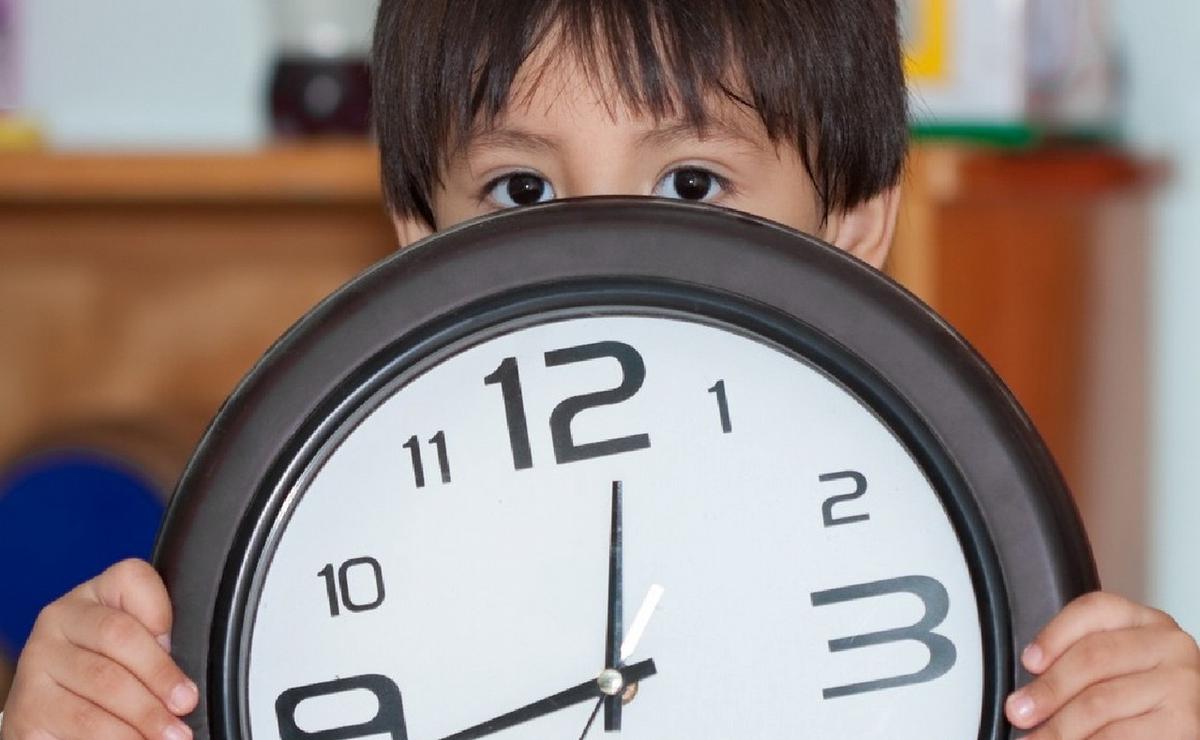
pixel 97 665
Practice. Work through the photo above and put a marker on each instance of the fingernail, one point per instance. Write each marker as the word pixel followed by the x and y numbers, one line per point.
pixel 1031 657
pixel 1020 706
pixel 183 697
pixel 177 731
pixel 165 641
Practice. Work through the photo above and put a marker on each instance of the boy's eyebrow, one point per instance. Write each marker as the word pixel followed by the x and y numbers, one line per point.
pixel 678 131
pixel 513 138
pixel 671 133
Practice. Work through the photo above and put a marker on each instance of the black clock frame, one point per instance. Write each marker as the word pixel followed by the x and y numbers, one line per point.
pixel 1026 549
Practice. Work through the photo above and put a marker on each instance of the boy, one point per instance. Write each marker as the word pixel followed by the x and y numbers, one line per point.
pixel 789 109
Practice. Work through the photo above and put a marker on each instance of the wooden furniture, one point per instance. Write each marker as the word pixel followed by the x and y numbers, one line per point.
pixel 136 290
pixel 1040 260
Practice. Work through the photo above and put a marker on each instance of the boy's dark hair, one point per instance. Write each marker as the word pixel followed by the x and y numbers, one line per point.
pixel 823 75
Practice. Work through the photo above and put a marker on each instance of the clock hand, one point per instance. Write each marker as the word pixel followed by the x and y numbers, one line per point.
pixel 610 682
pixel 591 718
pixel 640 620
pixel 628 646
pixel 612 635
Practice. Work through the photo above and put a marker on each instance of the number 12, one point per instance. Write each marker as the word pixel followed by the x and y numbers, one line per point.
pixel 566 449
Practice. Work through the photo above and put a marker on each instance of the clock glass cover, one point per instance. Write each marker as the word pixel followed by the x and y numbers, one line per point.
pixel 798 572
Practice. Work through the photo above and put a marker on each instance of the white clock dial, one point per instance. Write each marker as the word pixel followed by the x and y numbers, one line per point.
pixel 455 545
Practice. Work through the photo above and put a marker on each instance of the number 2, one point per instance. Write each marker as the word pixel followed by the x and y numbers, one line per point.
pixel 633 374
pixel 860 487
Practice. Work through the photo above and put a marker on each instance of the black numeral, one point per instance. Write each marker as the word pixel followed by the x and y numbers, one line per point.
pixel 439 441
pixel 514 411
pixel 339 591
pixel 722 405
pixel 413 445
pixel 389 720
pixel 942 653
pixel 860 487
pixel 633 374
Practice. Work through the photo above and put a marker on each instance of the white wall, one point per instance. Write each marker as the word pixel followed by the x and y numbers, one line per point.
pixel 167 73
pixel 146 73
pixel 1161 42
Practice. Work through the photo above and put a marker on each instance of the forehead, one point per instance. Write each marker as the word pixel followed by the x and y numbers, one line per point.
pixel 562 87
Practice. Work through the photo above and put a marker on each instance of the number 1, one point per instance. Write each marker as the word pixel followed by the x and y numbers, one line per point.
pixel 509 378
pixel 413 445
pixel 439 441
pixel 722 405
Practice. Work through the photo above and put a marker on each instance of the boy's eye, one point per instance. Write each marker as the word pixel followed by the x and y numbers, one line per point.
pixel 520 189
pixel 690 183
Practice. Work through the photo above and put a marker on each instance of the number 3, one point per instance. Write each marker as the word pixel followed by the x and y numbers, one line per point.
pixel 936 601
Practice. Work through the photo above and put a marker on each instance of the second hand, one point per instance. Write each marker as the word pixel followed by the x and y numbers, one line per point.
pixel 629 645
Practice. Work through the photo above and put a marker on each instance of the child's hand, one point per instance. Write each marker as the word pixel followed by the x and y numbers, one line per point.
pixel 1108 668
pixel 96 665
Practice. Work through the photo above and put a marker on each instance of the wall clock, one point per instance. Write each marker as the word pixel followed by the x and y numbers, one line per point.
pixel 616 466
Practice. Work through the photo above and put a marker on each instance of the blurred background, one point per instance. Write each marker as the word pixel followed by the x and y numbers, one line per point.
pixel 180 181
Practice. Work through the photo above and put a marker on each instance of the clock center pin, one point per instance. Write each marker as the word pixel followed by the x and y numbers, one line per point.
pixel 611 682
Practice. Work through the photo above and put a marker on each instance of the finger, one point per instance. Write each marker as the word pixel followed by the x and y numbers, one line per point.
pixel 62 715
pixel 1094 612
pixel 114 689
pixel 1106 703
pixel 119 637
pixel 134 586
pixel 1151 726
pixel 1097 657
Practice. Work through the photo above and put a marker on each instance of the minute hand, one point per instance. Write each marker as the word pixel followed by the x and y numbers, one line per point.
pixel 589 689
pixel 616 606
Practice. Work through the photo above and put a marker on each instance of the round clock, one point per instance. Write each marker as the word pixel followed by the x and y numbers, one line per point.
pixel 617 466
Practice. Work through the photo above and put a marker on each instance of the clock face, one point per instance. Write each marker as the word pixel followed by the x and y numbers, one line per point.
pixel 786 567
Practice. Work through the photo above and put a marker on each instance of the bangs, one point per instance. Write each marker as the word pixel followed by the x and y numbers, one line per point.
pixel 652 58
pixel 824 77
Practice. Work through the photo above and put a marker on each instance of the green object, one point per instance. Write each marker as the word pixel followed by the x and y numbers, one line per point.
pixel 1004 135
pixel 1011 135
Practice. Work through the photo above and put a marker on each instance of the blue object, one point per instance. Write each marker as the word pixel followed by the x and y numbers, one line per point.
pixel 65 516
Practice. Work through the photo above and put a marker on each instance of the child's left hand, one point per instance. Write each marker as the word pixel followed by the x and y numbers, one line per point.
pixel 1108 668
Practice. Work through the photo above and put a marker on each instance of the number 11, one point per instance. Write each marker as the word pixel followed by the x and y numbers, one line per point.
pixel 413 445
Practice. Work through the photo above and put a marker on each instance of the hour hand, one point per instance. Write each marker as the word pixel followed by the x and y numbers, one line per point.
pixel 610 682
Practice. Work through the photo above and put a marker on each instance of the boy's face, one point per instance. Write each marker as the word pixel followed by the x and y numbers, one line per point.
pixel 564 136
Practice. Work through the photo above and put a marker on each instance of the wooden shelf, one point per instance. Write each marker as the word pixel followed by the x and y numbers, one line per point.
pixel 137 288
pixel 342 171
pixel 1078 173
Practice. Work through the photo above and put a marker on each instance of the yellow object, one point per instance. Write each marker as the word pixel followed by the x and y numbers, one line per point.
pixel 18 134
pixel 927 48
